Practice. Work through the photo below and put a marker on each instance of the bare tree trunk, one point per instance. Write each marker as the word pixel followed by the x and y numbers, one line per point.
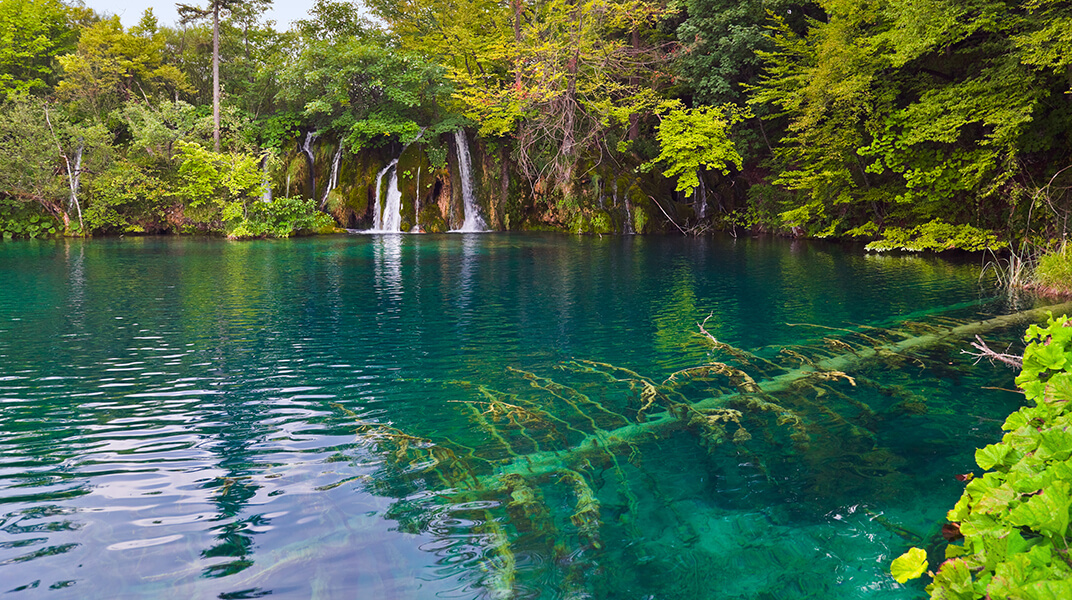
pixel 78 169
pixel 72 178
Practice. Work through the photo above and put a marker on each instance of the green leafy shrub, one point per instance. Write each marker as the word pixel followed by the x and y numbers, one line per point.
pixel 694 139
pixel 26 220
pixel 217 177
pixel 1015 518
pixel 938 236
pixel 281 217
pixel 126 199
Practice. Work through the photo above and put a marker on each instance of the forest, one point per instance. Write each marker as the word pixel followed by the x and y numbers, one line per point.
pixel 909 125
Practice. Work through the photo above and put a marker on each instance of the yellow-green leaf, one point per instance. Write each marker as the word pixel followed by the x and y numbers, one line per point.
pixel 909 565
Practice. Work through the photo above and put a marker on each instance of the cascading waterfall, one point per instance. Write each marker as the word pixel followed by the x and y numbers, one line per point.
pixel 627 226
pixel 473 222
pixel 417 205
pixel 266 180
pixel 699 197
pixel 387 213
pixel 333 179
pixel 310 160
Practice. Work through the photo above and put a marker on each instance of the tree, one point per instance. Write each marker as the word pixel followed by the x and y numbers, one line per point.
pixel 905 112
pixel 695 139
pixel 189 13
pixel 45 155
pixel 32 34
pixel 561 77
pixel 720 41
pixel 111 65
pixel 365 92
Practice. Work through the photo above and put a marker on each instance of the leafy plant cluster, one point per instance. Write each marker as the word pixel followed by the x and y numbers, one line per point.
pixel 904 112
pixel 21 221
pixel 1015 518
pixel 280 217
pixel 936 236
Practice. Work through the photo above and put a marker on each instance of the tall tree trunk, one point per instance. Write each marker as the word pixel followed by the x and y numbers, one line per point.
pixel 634 118
pixel 72 180
pixel 216 75
pixel 516 4
pixel 569 113
pixel 77 177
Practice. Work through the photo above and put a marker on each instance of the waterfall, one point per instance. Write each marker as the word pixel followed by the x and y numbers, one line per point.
pixel 628 229
pixel 417 206
pixel 472 222
pixel 310 160
pixel 266 180
pixel 333 179
pixel 387 214
pixel 387 217
pixel 699 197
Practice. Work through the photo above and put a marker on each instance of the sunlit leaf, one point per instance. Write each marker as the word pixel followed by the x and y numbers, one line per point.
pixel 909 565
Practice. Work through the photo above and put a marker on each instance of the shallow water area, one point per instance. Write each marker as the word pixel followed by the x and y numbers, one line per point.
pixel 479 416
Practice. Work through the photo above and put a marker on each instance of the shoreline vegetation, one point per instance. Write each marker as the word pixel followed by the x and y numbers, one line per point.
pixel 1008 535
pixel 910 128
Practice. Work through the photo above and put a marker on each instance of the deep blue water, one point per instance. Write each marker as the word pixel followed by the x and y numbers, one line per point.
pixel 328 418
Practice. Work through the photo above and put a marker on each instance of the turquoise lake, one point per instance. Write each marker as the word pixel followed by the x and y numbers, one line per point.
pixel 478 416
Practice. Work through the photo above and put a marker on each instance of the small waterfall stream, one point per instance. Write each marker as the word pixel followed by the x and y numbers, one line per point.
pixel 266 180
pixel 387 212
pixel 310 159
pixel 628 225
pixel 699 197
pixel 417 206
pixel 333 178
pixel 473 222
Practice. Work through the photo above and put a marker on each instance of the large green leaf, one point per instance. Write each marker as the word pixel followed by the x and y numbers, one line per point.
pixel 1056 444
pixel 1045 512
pixel 909 565
pixel 992 455
pixel 1047 590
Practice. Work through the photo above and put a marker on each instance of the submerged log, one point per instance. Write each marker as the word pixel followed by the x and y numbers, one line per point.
pixel 600 442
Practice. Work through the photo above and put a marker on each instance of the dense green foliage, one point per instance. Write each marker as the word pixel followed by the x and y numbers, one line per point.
pixel 32 34
pixel 936 236
pixel 1015 518
pixel 917 126
pixel 691 140
pixel 900 112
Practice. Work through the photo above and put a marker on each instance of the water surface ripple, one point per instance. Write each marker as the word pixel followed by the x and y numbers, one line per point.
pixel 325 418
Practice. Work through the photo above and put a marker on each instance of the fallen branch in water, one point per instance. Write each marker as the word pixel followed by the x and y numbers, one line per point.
pixel 984 351
pixel 603 442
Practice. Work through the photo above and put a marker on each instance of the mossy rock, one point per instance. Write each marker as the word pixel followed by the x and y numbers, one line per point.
pixel 416 180
pixel 601 222
pixel 431 219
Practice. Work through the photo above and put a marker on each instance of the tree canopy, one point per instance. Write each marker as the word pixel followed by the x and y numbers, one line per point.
pixel 828 118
